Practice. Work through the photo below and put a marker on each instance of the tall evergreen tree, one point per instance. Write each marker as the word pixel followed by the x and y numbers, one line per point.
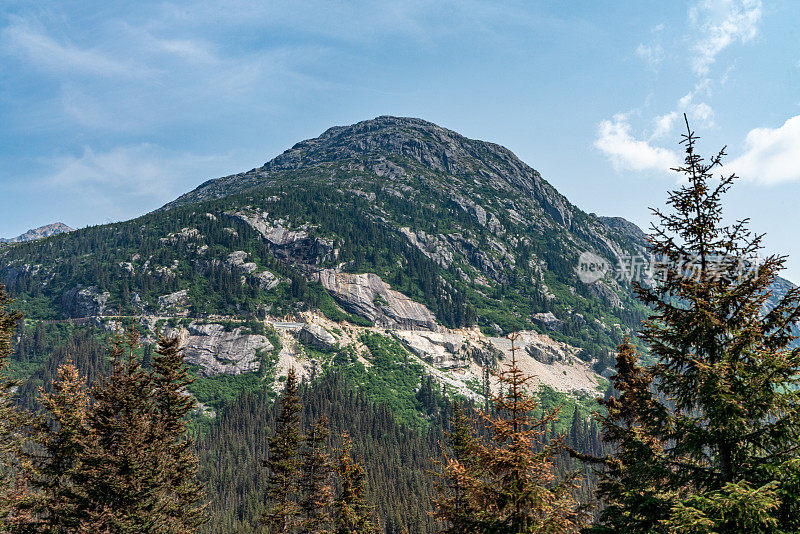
pixel 636 500
pixel 509 479
pixel 122 474
pixel 714 430
pixel 56 502
pixel 182 500
pixel 10 424
pixel 283 462
pixel 453 504
pixel 352 513
pixel 316 480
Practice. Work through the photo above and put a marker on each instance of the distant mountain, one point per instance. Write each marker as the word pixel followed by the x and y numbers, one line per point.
pixel 393 221
pixel 39 233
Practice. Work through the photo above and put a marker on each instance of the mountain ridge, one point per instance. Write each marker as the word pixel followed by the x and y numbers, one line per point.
pixel 39 233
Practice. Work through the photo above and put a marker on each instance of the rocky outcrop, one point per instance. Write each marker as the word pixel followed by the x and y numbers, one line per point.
pixel 218 351
pixel 434 247
pixel 464 355
pixel 237 259
pixel 14 274
pixel 174 302
pixel 548 321
pixel 369 296
pixel 316 336
pixel 84 302
pixel 265 280
pixel 443 350
pixel 292 245
pixel 183 235
pixel 540 347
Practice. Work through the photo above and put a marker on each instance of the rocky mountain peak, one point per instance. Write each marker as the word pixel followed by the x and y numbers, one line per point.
pixel 424 142
pixel 398 148
pixel 39 233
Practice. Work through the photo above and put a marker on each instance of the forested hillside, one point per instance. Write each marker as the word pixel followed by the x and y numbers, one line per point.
pixel 461 226
pixel 454 370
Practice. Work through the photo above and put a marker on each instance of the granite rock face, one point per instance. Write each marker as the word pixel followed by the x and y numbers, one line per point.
pixel 447 349
pixel 84 302
pixel 293 245
pixel 174 302
pixel 316 336
pixel 548 321
pixel 434 247
pixel 218 351
pixel 369 296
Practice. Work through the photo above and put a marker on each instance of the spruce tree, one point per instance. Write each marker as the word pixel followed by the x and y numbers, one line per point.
pixel 122 474
pixel 316 480
pixel 57 498
pixel 182 500
pixel 352 513
pixel 10 423
pixel 453 505
pixel 283 462
pixel 509 479
pixel 714 423
pixel 636 500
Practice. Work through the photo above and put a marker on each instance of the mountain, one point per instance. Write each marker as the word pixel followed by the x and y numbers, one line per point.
pixel 39 233
pixel 448 230
pixel 393 252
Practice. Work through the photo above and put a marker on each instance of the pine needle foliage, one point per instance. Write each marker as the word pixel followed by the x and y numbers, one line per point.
pixel 708 436
pixel 352 513
pixel 453 505
pixel 636 499
pixel 117 459
pixel 283 512
pixel 10 423
pixel 56 502
pixel 315 482
pixel 183 499
pixel 122 459
pixel 508 480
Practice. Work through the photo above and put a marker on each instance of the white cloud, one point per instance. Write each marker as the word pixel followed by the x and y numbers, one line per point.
pixel 144 170
pixel 39 49
pixel 664 124
pixel 722 23
pixel 702 112
pixel 614 139
pixel 771 156
pixel 650 54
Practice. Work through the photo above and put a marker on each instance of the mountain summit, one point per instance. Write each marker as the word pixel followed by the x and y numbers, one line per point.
pixel 39 233
pixel 374 145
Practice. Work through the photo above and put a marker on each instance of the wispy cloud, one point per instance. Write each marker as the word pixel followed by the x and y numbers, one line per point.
pixel 771 155
pixel 722 23
pixel 651 54
pixel 22 39
pixel 718 25
pixel 145 170
pixel 626 152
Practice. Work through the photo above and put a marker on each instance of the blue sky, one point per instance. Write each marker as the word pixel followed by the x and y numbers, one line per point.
pixel 108 111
